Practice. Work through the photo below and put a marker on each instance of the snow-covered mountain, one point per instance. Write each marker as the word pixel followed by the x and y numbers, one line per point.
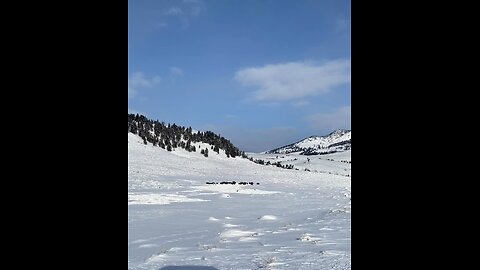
pixel 337 141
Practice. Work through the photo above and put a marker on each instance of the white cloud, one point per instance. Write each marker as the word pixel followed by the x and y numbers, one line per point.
pixel 131 92
pixel 174 11
pixel 139 81
pixel 196 7
pixel 327 122
pixel 301 103
pixel 187 10
pixel 294 80
pixel 176 71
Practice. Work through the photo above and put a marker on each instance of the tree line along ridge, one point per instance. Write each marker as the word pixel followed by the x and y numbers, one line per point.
pixel 170 136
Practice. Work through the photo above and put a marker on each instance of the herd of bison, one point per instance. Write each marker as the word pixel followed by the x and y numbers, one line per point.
pixel 231 183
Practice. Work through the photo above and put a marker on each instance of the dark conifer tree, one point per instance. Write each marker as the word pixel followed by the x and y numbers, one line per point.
pixel 171 136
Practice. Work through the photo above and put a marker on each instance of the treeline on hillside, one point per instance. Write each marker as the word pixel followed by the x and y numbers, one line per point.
pixel 169 136
pixel 277 164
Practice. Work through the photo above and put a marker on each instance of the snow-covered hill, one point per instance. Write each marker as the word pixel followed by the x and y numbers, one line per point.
pixel 170 137
pixel 337 141
pixel 290 220
pixel 338 163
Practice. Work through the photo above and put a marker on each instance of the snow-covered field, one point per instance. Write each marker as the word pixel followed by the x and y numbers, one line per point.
pixel 290 220
pixel 333 164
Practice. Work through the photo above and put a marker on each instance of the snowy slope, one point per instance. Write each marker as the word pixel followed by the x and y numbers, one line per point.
pixel 335 164
pixel 337 141
pixel 291 220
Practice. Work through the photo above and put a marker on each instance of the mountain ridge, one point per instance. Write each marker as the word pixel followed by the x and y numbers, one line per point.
pixel 171 136
pixel 337 141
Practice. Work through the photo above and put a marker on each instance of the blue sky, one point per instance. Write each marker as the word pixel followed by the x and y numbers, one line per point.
pixel 262 73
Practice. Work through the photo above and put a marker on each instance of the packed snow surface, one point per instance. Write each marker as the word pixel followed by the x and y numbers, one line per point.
pixel 291 219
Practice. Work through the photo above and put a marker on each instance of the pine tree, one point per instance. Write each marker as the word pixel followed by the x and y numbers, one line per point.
pixel 171 136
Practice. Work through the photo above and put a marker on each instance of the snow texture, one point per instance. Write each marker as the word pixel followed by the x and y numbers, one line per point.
pixel 294 219
pixel 337 141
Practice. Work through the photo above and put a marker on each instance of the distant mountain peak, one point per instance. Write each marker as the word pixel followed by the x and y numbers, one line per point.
pixel 337 141
pixel 339 131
